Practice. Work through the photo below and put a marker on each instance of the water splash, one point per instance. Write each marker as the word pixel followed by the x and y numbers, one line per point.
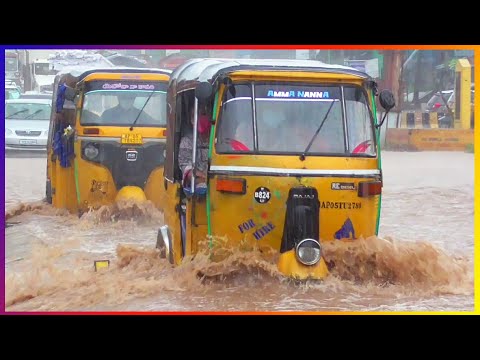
pixel 36 207
pixel 389 262
pixel 141 212
pixel 62 279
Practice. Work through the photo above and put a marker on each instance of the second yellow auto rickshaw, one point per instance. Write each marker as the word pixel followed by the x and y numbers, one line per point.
pixel 291 159
pixel 107 137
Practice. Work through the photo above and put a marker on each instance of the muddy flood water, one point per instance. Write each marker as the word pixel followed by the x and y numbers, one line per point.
pixel 421 261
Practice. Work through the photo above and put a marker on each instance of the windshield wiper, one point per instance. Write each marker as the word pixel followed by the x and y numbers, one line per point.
pixel 302 157
pixel 15 113
pixel 32 114
pixel 141 110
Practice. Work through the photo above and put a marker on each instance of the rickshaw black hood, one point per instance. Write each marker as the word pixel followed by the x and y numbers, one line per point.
pixel 127 172
pixel 301 218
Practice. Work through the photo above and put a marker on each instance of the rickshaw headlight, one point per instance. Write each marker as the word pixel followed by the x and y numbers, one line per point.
pixel 308 251
pixel 90 151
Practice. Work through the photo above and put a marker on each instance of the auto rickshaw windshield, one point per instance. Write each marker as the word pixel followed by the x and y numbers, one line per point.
pixel 119 104
pixel 286 117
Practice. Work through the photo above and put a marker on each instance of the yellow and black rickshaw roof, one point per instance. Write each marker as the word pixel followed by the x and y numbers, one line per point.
pixel 194 71
pixel 81 72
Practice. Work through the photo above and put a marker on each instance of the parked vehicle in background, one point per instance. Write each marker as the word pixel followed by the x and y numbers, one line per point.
pixel 26 124
pixel 446 121
pixel 35 95
pixel 13 67
pixel 438 102
pixel 12 91
pixel 451 101
pixel 43 75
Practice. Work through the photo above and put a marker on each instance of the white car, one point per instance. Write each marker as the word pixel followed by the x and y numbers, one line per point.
pixel 11 91
pixel 26 124
pixel 35 95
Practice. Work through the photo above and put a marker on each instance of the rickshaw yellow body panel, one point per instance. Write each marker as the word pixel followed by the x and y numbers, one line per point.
pixel 291 267
pixel 244 219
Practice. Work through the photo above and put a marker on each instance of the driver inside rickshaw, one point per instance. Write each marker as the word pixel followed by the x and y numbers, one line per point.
pixel 125 111
pixel 269 121
pixel 277 133
pixel 329 139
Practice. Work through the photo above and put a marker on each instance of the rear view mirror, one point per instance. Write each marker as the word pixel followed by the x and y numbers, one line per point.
pixel 387 100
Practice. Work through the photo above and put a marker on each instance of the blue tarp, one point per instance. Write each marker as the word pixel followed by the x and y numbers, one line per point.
pixel 63 147
pixel 60 97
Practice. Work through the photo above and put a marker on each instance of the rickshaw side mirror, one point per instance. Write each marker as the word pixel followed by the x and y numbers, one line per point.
pixel 203 90
pixel 387 100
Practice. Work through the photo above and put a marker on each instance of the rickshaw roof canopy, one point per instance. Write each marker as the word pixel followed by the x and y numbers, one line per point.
pixel 187 75
pixel 80 72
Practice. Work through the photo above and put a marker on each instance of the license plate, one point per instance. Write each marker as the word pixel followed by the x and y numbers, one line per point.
pixel 28 142
pixel 132 139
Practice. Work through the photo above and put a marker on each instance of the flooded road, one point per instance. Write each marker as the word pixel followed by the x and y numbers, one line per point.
pixel 422 260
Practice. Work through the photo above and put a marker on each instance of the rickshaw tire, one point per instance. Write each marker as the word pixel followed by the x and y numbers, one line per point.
pixel 48 192
pixel 161 245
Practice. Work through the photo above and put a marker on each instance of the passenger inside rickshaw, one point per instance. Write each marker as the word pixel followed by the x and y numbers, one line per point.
pixel 185 153
pixel 271 119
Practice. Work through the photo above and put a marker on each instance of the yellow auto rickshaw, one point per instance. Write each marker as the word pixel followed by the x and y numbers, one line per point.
pixel 293 160
pixel 107 137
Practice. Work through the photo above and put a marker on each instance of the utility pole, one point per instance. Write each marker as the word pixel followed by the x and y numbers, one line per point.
pixel 27 78
pixel 396 75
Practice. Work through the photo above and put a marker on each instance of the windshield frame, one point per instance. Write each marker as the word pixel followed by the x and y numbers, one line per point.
pixel 345 128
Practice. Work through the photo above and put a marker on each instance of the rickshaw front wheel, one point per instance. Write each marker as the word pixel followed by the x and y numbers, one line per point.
pixel 161 245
